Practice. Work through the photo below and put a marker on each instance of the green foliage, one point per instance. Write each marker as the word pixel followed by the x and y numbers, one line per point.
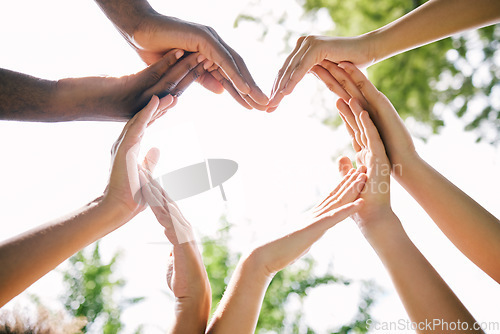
pixel 91 291
pixel 459 74
pixel 296 281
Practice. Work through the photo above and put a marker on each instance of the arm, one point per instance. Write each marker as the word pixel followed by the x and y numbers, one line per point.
pixel 471 228
pixel 186 274
pixel 27 257
pixel 432 21
pixel 25 98
pixel 239 308
pixel 424 294
pixel 152 34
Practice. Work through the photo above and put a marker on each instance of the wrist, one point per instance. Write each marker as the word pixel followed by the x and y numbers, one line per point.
pixel 404 168
pixel 385 225
pixel 116 208
pixel 373 42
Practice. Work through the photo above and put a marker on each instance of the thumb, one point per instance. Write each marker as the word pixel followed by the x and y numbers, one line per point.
pixel 344 165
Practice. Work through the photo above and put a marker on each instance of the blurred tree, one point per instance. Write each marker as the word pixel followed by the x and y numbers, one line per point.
pixel 295 282
pixel 460 73
pixel 92 289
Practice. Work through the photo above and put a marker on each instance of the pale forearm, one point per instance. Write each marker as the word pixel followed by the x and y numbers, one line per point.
pixel 434 20
pixel 27 257
pixel 472 229
pixel 239 308
pixel 423 292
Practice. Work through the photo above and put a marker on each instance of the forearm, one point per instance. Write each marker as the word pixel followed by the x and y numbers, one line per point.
pixel 432 21
pixel 423 292
pixel 471 228
pixel 27 257
pixel 26 98
pixel 126 15
pixel 240 306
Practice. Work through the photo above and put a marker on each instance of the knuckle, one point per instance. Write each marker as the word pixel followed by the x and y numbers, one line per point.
pixel 360 84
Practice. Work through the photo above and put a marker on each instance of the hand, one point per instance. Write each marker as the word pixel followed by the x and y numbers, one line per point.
pixel 177 228
pixel 341 203
pixel 370 152
pixel 124 182
pixel 157 34
pixel 120 98
pixel 395 136
pixel 186 274
pixel 311 51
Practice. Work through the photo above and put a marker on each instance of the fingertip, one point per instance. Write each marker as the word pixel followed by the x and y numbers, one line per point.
pixel 179 53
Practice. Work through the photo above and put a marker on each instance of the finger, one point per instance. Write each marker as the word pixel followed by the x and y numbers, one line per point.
pixel 219 54
pixel 190 77
pixel 228 86
pixel 345 81
pixel 330 82
pixel 337 215
pixel 150 76
pixel 341 183
pixel 136 129
pixel 334 197
pixel 374 141
pixel 296 68
pixel 282 70
pixel 151 159
pixel 344 165
pixel 367 89
pixel 171 78
pixel 210 83
pixel 355 144
pixel 357 108
pixel 353 190
pixel 351 124
pixel 162 105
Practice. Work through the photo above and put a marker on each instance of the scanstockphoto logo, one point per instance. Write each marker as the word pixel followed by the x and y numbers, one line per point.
pixel 437 325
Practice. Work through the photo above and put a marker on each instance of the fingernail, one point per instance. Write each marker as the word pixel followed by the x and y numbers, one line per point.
pixel 179 54
pixel 207 65
pixel 201 58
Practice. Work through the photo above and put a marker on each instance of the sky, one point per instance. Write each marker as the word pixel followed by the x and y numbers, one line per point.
pixel 286 161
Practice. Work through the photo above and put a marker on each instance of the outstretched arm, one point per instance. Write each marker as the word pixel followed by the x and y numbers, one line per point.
pixel 432 21
pixel 471 228
pixel 25 98
pixel 152 34
pixel 425 296
pixel 186 274
pixel 27 257
pixel 239 308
